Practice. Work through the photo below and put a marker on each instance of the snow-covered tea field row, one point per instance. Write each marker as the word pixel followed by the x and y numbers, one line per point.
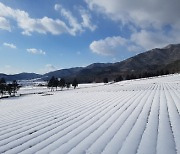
pixel 129 117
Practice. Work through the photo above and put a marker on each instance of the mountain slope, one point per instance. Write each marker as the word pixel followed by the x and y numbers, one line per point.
pixel 153 60
pixel 20 76
pixel 174 66
pixel 154 57
pixel 63 73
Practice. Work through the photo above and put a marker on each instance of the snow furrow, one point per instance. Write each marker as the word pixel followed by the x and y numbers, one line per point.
pixel 41 131
pixel 32 115
pixel 53 130
pixel 74 132
pixel 42 121
pixel 139 116
pixel 135 136
pixel 174 118
pixel 92 138
pixel 149 139
pixel 116 142
pixel 102 141
pixel 165 141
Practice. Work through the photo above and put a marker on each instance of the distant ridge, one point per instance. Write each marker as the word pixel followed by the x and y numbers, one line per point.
pixel 153 60
pixel 20 76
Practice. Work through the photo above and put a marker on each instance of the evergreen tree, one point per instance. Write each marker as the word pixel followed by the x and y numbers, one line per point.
pixel 132 76
pixel 145 75
pixel 51 83
pixel 62 83
pixel 75 83
pixel 2 86
pixel 119 78
pixel 68 85
pixel 105 80
pixel 9 89
pixel 162 72
pixel 56 83
pixel 167 72
pixel 2 81
pixel 157 73
pixel 15 87
pixel 139 76
pixel 128 77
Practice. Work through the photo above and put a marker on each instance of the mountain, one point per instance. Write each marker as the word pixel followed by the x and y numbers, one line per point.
pixel 174 66
pixel 150 61
pixel 167 59
pixel 20 76
pixel 63 73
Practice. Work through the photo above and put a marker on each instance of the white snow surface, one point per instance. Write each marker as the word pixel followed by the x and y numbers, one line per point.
pixel 137 116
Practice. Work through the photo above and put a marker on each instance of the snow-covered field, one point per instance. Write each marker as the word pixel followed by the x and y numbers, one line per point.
pixel 31 89
pixel 141 116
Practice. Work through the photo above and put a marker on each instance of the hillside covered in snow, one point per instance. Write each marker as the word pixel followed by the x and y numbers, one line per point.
pixel 136 116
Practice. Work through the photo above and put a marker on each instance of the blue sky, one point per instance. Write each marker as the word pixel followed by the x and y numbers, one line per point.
pixel 45 35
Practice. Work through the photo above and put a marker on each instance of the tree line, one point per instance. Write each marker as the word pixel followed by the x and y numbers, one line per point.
pixel 131 76
pixel 8 88
pixel 53 83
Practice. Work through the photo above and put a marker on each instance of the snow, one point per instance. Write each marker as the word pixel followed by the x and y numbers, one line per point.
pixel 137 116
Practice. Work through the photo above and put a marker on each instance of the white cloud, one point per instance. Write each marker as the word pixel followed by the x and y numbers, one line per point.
pixel 142 13
pixel 153 23
pixel 75 25
pixel 57 7
pixel 86 17
pixel 108 46
pixel 50 67
pixel 148 39
pixel 134 48
pixel 36 51
pixel 4 24
pixel 47 68
pixel 138 42
pixel 10 45
pixel 29 25
pixel 45 24
pixel 112 45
